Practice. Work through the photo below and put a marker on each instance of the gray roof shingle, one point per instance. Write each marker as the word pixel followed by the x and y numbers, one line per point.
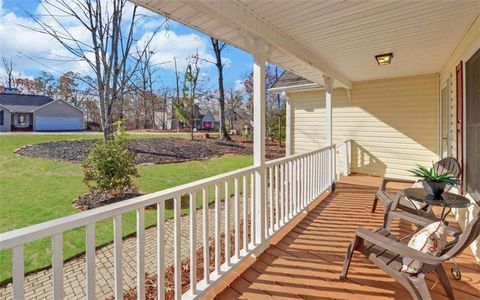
pixel 23 103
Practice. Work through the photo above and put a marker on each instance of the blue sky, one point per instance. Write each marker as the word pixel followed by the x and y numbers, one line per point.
pixel 33 52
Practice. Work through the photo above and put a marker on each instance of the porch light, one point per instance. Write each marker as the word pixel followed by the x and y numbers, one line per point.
pixel 384 59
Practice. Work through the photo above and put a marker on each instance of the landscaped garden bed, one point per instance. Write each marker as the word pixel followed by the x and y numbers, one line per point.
pixel 150 150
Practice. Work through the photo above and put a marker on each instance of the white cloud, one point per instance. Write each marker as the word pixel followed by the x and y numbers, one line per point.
pixel 168 45
pixel 32 51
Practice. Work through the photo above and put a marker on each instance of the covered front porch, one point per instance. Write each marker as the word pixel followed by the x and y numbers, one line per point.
pixel 305 259
pixel 283 241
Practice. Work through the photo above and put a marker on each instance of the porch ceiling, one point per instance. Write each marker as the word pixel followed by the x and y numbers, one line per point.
pixel 339 38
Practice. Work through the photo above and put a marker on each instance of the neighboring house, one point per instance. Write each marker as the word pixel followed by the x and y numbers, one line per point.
pixel 208 120
pixel 20 112
pixel 164 120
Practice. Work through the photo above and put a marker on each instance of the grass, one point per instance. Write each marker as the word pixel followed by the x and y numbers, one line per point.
pixel 34 190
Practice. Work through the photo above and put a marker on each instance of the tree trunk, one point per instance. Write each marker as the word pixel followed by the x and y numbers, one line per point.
pixel 218 55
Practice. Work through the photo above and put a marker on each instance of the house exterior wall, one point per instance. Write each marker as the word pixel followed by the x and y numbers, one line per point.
pixel 392 123
pixel 6 120
pixel 57 109
pixel 469 44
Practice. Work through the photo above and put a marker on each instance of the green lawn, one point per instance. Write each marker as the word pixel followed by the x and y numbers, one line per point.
pixel 34 190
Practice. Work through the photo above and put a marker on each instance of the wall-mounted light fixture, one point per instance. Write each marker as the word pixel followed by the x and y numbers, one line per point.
pixel 384 59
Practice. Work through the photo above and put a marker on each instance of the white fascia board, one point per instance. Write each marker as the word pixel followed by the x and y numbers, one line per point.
pixel 6 108
pixel 54 101
pixel 297 88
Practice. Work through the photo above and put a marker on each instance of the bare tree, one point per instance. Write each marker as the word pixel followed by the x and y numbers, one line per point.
pixel 177 99
pixel 186 110
pixel 108 51
pixel 232 104
pixel 218 47
pixel 10 81
pixel 68 89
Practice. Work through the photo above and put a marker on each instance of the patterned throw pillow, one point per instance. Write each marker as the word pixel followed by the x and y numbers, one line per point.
pixel 430 240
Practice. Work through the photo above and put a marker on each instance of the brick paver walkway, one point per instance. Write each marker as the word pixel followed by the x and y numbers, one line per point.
pixel 38 285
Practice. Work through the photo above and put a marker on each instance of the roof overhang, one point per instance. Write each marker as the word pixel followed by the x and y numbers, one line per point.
pixel 56 101
pixel 335 38
pixel 233 22
pixel 6 108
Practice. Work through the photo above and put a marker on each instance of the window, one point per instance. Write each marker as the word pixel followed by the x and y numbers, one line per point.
pixel 1 117
pixel 445 119
pixel 472 128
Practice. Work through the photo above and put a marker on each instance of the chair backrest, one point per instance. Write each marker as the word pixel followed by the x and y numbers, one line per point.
pixel 471 232
pixel 448 164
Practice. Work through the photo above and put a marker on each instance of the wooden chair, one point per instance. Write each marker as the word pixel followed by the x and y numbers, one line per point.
pixel 385 251
pixel 448 164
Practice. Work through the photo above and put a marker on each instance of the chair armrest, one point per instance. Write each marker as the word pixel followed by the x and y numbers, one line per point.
pixel 418 220
pixel 386 180
pixel 396 247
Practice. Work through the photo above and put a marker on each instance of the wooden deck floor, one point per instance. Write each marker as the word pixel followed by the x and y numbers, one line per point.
pixel 306 261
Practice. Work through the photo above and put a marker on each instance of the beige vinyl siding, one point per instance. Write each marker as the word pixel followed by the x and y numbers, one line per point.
pixel 392 123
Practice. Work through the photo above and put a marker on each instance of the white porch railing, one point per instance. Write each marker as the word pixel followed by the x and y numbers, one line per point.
pixel 292 183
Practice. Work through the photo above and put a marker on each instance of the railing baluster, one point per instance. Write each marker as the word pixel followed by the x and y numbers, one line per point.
pixel 317 177
pixel 277 217
pixel 90 259
pixel 306 183
pixel 227 223
pixel 57 265
pixel 193 242
pixel 141 253
pixel 206 240
pixel 270 199
pixel 236 211
pixel 295 189
pixel 282 193
pixel 310 178
pixel 252 208
pixel 117 256
pixel 290 190
pixel 217 229
pixel 18 273
pixel 303 167
pixel 245 213
pixel 265 203
pixel 177 250
pixel 160 250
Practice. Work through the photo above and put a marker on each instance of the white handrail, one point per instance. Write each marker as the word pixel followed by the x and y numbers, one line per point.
pixel 292 183
pixel 31 233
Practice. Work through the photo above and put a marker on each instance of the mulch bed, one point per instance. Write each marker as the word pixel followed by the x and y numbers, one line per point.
pixel 151 150
pixel 89 201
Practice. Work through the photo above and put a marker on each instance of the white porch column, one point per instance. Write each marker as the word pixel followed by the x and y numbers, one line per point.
pixel 288 125
pixel 259 50
pixel 328 82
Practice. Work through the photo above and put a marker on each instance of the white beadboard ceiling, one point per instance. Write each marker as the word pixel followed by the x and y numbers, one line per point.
pixel 343 35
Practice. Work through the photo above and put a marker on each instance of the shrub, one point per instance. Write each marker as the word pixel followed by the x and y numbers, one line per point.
pixel 110 167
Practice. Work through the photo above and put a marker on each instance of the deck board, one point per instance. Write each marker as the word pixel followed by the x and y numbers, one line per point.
pixel 306 261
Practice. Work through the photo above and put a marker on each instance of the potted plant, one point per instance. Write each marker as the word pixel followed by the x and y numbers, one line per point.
pixel 433 182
